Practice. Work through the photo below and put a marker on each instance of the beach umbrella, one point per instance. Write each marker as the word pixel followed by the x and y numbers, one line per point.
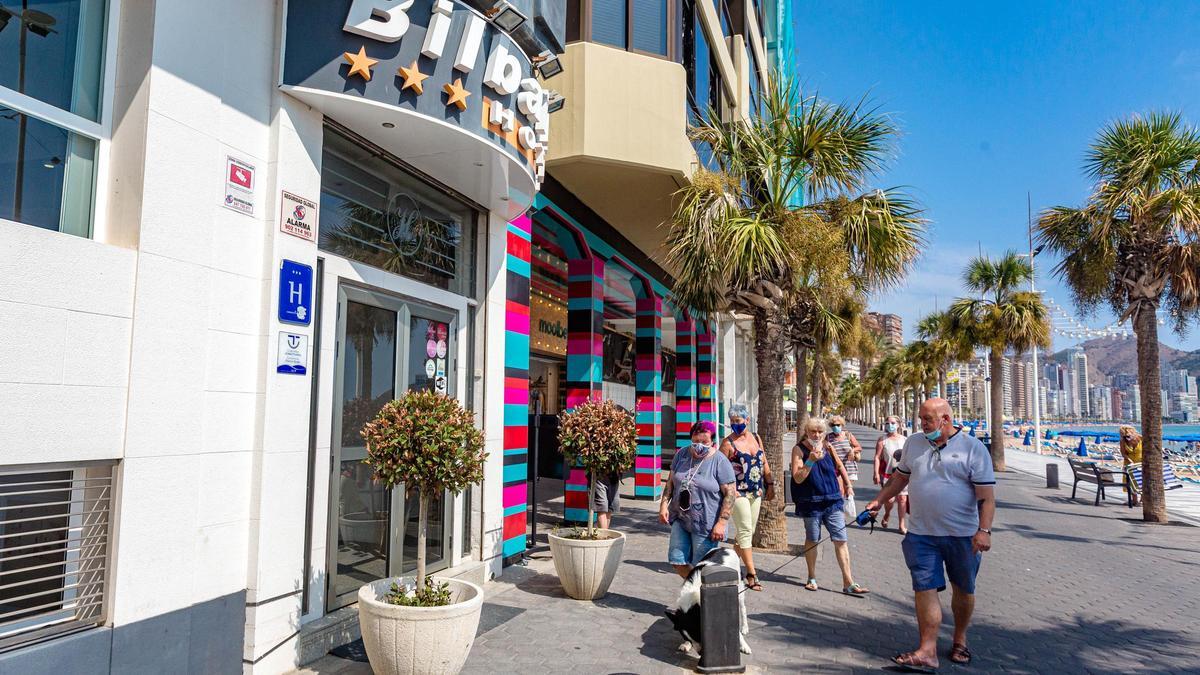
pixel 1028 438
pixel 972 430
pixel 1082 452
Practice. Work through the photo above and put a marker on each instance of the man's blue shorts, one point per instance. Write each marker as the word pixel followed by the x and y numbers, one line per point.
pixel 926 556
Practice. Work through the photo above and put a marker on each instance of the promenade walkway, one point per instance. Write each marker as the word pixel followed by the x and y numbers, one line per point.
pixel 1068 588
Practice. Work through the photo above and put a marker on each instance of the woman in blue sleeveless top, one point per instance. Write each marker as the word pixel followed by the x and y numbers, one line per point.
pixel 819 497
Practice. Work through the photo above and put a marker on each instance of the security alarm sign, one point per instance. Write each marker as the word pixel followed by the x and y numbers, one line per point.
pixel 239 186
pixel 298 217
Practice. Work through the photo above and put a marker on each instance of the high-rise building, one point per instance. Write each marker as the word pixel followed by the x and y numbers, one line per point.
pixel 1077 365
pixel 1124 381
pixel 890 326
pixel 1176 380
pixel 1022 407
pixel 1101 402
pixel 1118 403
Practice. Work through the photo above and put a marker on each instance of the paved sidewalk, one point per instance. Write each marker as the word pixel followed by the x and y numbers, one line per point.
pixel 1068 588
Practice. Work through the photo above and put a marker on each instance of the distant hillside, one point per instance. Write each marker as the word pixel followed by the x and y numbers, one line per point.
pixel 1110 356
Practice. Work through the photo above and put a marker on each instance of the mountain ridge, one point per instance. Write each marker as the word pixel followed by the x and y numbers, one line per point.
pixel 1110 356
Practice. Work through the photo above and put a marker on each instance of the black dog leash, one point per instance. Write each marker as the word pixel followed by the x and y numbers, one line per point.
pixel 862 519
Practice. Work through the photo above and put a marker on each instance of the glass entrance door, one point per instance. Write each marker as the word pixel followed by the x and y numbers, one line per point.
pixel 386 345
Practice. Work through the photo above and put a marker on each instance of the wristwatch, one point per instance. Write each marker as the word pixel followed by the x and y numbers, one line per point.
pixel 985 530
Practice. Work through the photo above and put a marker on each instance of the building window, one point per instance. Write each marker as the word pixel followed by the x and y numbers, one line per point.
pixel 755 83
pixel 54 535
pixel 642 26
pixel 51 84
pixel 376 211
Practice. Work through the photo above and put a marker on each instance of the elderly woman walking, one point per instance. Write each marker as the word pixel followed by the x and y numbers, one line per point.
pixel 753 480
pixel 818 496
pixel 697 499
pixel 849 451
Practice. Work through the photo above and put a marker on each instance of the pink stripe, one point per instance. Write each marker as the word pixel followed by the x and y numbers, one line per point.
pixel 577 477
pixel 517 323
pixel 515 494
pixel 585 346
pixel 516 396
pixel 647 462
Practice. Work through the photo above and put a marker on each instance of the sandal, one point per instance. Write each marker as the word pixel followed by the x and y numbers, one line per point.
pixel 909 662
pixel 752 582
pixel 883 523
pixel 960 654
pixel 811 585
pixel 855 589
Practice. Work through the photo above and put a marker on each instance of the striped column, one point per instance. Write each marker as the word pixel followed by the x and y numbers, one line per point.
pixel 516 390
pixel 585 362
pixel 706 381
pixel 685 382
pixel 647 480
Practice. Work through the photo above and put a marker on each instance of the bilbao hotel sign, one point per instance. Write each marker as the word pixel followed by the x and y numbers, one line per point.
pixel 415 68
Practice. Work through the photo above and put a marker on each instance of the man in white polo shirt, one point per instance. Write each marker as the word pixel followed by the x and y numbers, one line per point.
pixel 951 492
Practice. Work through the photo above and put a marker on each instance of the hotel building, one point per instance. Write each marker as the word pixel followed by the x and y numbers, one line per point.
pixel 231 230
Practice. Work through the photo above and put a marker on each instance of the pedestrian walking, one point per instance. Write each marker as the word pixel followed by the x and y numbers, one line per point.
pixel 819 498
pixel 753 480
pixel 887 456
pixel 849 451
pixel 952 489
pixel 697 500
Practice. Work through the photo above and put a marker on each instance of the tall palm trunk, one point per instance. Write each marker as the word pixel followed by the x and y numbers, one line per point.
pixel 942 382
pixel 996 364
pixel 1145 325
pixel 771 532
pixel 800 355
pixel 898 405
pixel 816 386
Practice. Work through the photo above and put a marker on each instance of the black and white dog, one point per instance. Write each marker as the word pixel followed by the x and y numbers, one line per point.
pixel 686 615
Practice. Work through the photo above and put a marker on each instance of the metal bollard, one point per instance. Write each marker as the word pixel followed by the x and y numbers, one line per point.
pixel 719 621
pixel 1052 475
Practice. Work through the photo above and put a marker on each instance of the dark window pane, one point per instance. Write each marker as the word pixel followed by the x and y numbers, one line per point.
pixel 46 174
pixel 574 20
pixel 52 50
pixel 33 518
pixel 650 20
pixel 608 22
pixel 374 212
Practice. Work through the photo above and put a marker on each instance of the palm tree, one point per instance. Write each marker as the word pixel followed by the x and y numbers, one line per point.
pixel 946 346
pixel 1134 246
pixel 738 240
pixel 1003 317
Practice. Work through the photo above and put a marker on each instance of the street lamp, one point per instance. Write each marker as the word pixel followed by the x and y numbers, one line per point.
pixel 1037 376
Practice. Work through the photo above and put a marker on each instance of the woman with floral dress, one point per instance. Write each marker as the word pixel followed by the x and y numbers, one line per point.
pixel 745 452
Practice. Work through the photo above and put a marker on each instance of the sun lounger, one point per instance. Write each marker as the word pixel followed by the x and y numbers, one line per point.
pixel 1133 474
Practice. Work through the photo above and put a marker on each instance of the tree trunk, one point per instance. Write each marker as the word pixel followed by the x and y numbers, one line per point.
pixel 591 531
pixel 996 363
pixel 771 532
pixel 422 528
pixel 898 406
pixel 1145 326
pixel 817 403
pixel 801 356
pixel 942 382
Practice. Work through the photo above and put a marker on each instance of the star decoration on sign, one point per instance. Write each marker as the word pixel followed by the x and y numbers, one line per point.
pixel 360 63
pixel 413 78
pixel 457 95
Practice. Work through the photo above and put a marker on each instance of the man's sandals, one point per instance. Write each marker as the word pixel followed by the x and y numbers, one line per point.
pixel 909 662
pixel 960 654
pixel 752 582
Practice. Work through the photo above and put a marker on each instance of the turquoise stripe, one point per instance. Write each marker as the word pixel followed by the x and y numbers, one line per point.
pixel 518 266
pixel 643 470
pixel 647 491
pixel 516 415
pixel 576 488
pixel 514 546
pixel 513 510
pixel 511 452
pixel 581 368
pixel 519 232
pixel 516 350
pixel 575 515
pixel 515 472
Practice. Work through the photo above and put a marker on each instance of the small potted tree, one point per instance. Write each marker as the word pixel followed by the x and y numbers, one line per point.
pixel 427 442
pixel 602 438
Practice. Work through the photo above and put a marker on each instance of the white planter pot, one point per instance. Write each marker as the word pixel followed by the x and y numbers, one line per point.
pixel 419 640
pixel 586 567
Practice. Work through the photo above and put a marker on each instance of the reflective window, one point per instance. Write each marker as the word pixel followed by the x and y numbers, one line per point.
pixel 649 26
pixel 375 212
pixel 47 174
pixel 52 50
pixel 608 22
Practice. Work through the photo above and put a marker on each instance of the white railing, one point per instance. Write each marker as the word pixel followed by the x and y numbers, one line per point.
pixel 55 530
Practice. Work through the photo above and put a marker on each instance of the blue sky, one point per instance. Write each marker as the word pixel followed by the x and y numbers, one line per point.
pixel 996 100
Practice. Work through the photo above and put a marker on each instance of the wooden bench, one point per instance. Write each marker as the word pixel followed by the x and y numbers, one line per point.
pixel 1088 472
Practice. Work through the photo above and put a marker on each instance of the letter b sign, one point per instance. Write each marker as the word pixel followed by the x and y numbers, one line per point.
pixel 383 20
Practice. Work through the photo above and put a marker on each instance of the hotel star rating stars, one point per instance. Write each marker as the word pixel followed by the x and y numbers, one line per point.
pixel 360 64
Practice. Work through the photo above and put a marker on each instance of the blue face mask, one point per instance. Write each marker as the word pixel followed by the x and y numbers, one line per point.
pixel 837 429
pixel 738 428
pixel 933 435
pixel 891 427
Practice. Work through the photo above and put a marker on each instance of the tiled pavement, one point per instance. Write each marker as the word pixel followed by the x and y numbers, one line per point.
pixel 1068 588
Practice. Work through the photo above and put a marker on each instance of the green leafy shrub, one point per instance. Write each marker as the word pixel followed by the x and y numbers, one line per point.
pixel 430 595
pixel 426 441
pixel 600 437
